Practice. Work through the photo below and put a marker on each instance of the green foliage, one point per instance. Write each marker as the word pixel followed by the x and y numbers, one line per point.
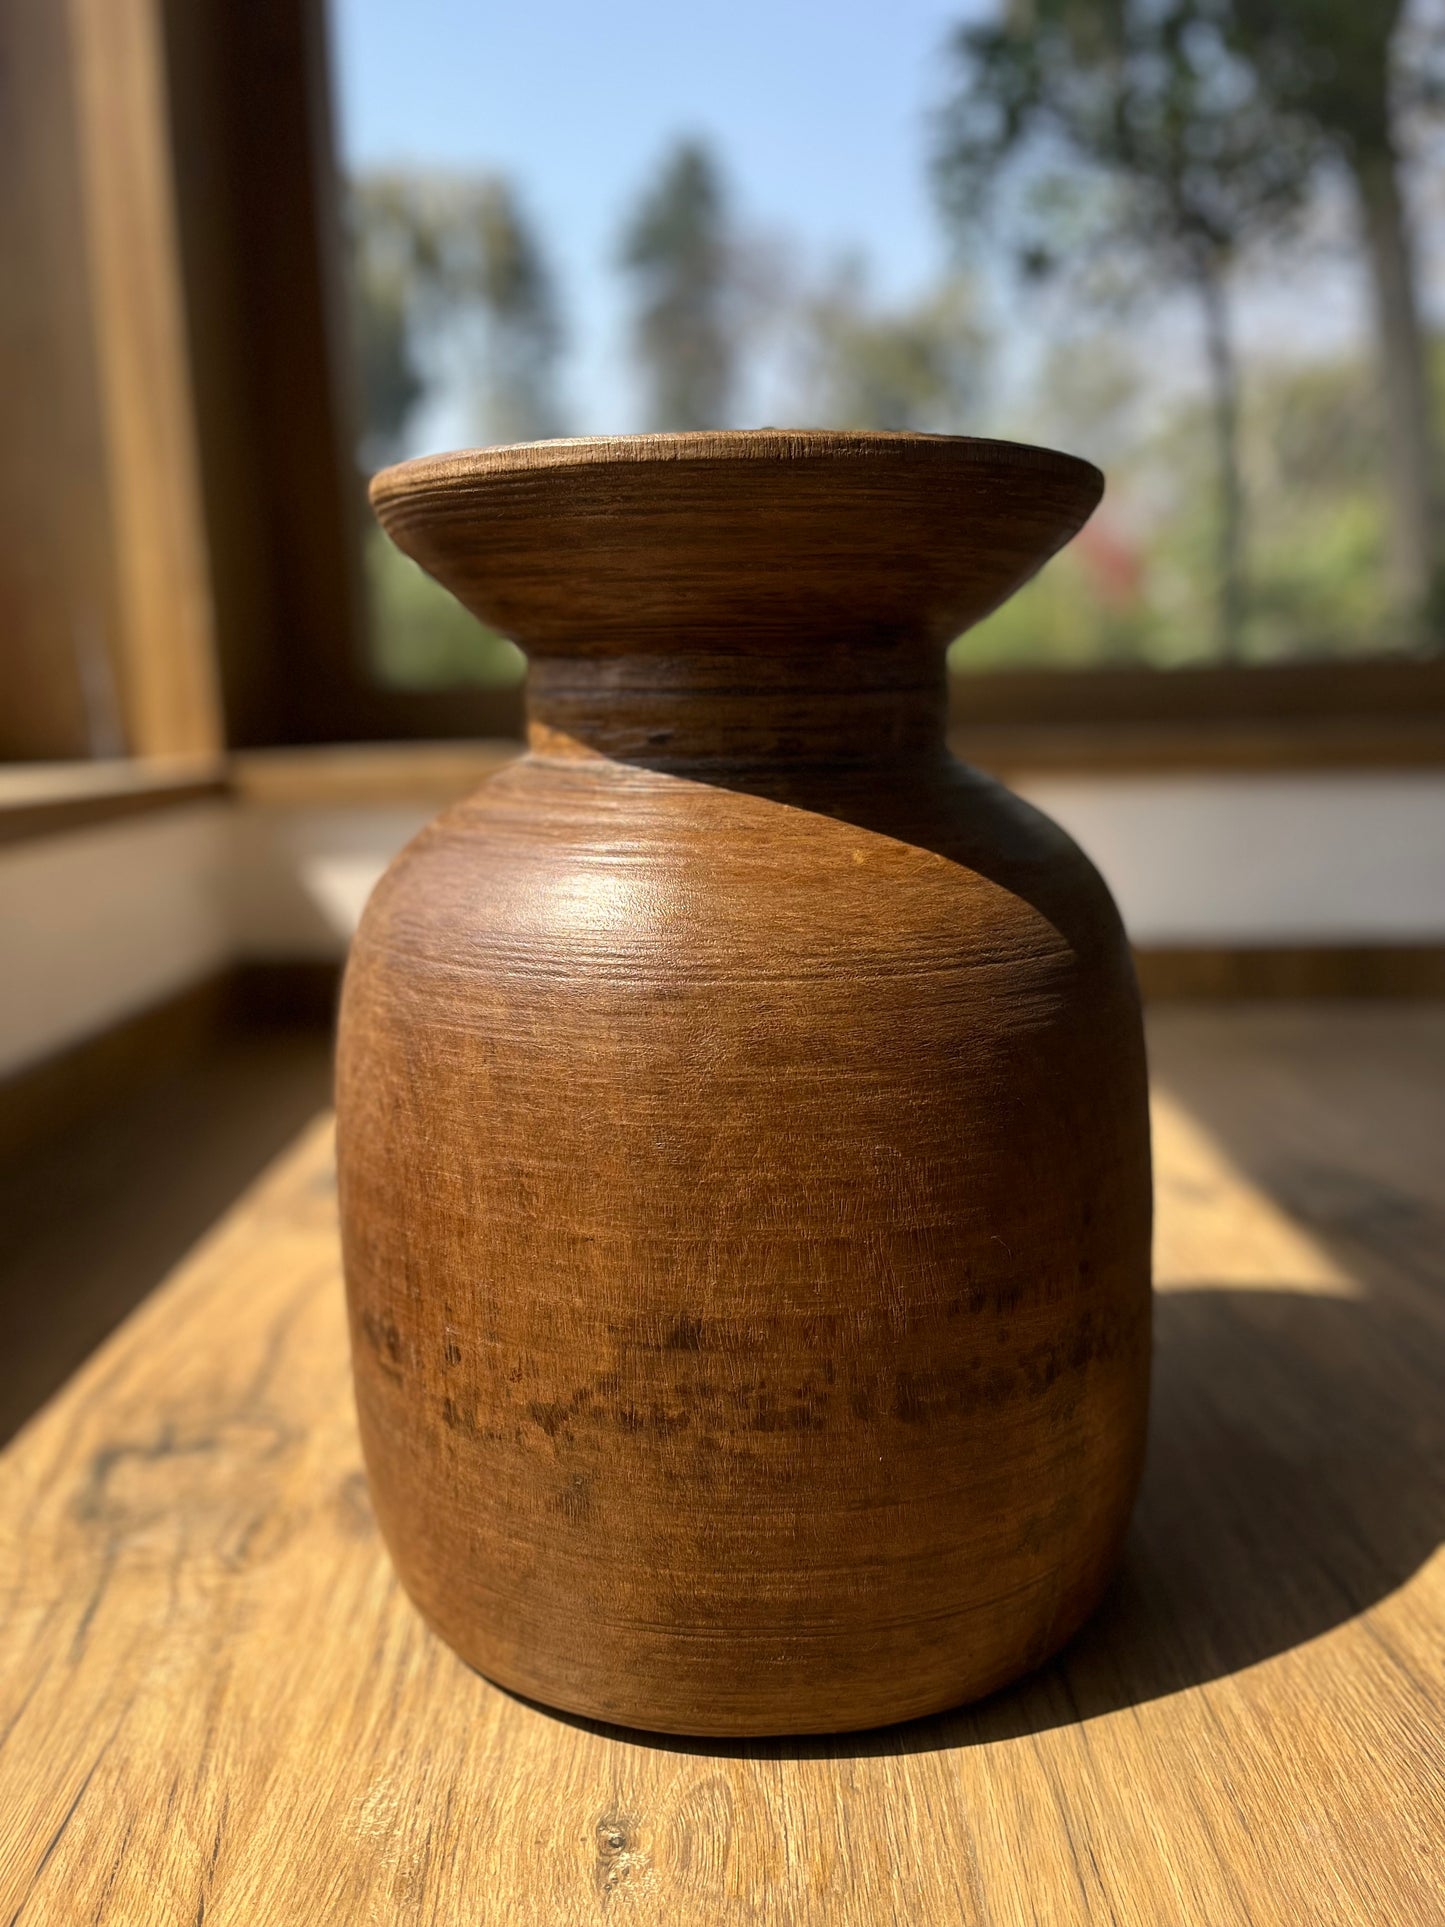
pixel 391 382
pixel 1312 446
pixel 450 286
pixel 1132 124
pixel 1057 622
pixel 1328 63
pixel 1133 133
pixel 1346 70
pixel 523 331
pixel 678 251
pixel 422 637
pixel 918 368
pixel 1125 147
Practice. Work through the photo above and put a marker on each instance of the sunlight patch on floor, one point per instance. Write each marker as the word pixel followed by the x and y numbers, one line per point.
pixel 1205 1203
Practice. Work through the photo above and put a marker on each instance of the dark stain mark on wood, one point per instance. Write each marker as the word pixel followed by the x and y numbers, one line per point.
pixel 382 1336
pixel 616 1853
pixel 685 1335
pixel 577 1499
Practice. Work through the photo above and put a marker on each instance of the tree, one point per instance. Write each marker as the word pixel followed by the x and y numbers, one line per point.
pixel 382 291
pixel 1338 66
pixel 679 252
pixel 451 285
pixel 1133 129
pixel 523 332
pixel 913 368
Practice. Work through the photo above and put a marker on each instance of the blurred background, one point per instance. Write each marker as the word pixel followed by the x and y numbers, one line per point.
pixel 254 252
pixel 1201 244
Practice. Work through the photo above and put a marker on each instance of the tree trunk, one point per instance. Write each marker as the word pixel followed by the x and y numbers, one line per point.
pixel 1411 456
pixel 1224 385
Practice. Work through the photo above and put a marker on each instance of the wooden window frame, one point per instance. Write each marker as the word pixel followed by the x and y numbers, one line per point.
pixel 1357 713
pixel 260 222
pixel 109 642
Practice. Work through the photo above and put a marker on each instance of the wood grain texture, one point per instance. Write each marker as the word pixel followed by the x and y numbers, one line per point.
pixel 1366 694
pixel 743 1146
pixel 50 799
pixel 1011 750
pixel 261 229
pixel 57 586
pixel 217 1705
pixel 1292 971
pixel 366 775
pixel 166 638
pixel 648 545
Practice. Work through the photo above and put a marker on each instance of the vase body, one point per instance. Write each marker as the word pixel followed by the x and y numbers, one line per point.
pixel 744 1175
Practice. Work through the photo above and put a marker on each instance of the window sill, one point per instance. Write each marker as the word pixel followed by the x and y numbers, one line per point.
pixel 1127 748
pixel 43 799
pixel 47 798
pixel 358 775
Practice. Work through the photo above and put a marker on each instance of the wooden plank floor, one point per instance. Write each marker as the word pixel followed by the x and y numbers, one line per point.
pixel 217 1706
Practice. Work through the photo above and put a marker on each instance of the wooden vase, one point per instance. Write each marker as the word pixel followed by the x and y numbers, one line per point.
pixel 741 1105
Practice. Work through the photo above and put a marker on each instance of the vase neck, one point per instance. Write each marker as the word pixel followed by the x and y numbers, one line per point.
pixel 824 705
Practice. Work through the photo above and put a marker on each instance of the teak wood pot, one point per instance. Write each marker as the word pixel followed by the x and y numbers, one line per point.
pixel 741 1105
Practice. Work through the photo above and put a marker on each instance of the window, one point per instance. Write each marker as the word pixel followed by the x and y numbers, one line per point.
pixel 651 218
pixel 224 311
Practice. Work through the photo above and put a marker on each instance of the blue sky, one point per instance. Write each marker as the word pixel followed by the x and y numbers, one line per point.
pixel 818 109
pixel 820 112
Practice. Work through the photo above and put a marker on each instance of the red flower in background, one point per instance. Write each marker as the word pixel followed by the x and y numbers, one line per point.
pixel 1114 564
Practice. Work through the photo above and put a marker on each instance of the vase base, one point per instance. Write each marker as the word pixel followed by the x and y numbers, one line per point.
pixel 734 1708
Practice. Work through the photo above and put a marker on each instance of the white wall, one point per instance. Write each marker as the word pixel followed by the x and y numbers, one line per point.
pixel 1338 857
pixel 302 876
pixel 1341 857
pixel 95 924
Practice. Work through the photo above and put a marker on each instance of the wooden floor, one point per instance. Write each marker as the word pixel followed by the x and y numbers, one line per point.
pixel 217 1706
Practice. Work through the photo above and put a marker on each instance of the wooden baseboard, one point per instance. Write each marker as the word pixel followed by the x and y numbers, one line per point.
pixel 48 799
pixel 301 991
pixel 1305 971
pixel 44 1100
